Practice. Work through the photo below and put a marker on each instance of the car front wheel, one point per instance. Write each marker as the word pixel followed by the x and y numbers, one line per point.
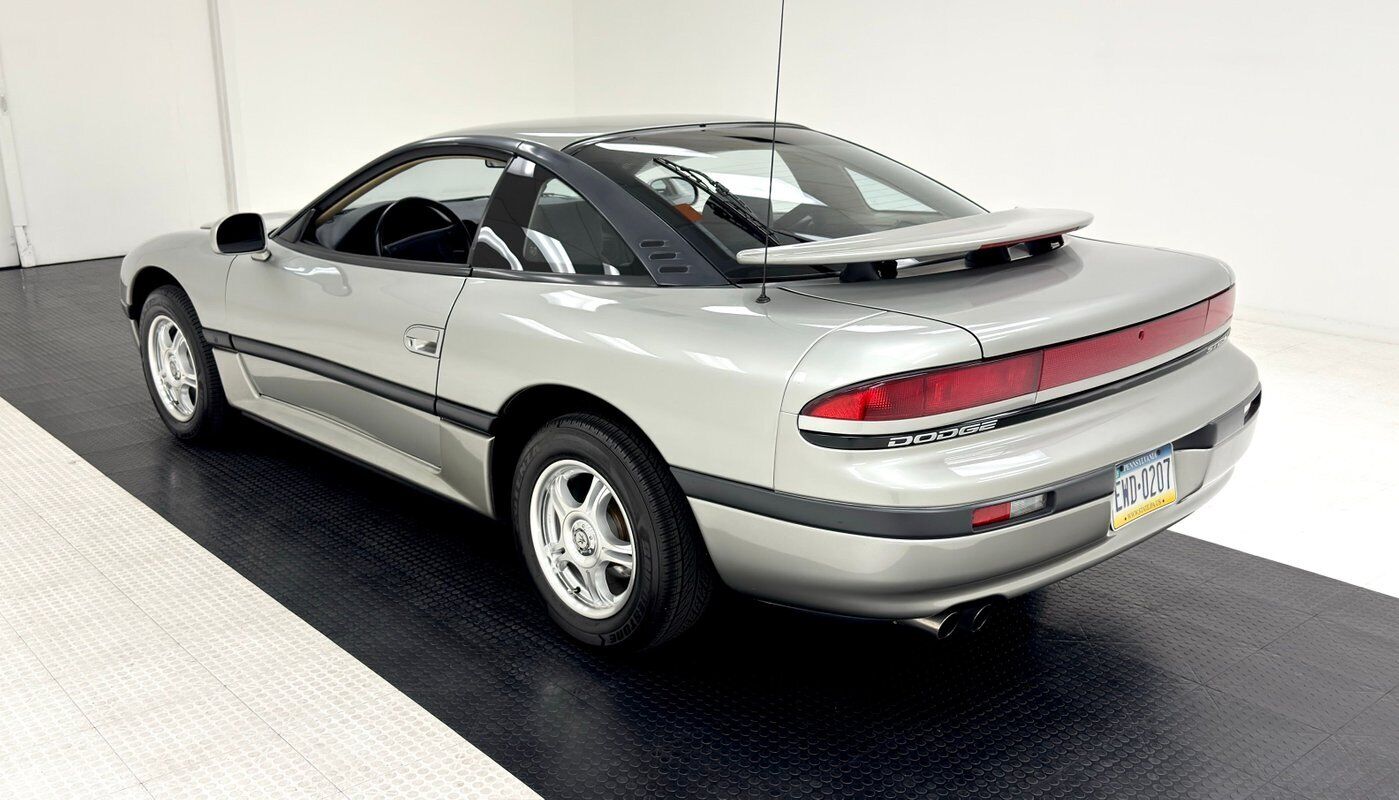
pixel 607 535
pixel 179 367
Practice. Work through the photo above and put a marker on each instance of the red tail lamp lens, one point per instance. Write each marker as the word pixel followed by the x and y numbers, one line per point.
pixel 989 515
pixel 931 393
pixel 1000 512
pixel 1221 310
pixel 957 388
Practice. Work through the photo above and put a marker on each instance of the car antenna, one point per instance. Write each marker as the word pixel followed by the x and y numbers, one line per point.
pixel 772 157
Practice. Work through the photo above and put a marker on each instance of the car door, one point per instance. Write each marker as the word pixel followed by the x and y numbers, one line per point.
pixel 334 321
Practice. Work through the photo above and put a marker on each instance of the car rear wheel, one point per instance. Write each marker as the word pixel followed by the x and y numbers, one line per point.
pixel 179 367
pixel 607 535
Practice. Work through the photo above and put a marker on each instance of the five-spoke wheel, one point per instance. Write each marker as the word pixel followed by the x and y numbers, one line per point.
pixel 179 366
pixel 582 538
pixel 607 535
pixel 172 367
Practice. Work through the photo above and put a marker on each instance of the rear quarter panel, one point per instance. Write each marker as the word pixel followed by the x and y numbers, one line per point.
pixel 702 370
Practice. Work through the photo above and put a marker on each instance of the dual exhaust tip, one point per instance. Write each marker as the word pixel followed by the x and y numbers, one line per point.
pixel 969 618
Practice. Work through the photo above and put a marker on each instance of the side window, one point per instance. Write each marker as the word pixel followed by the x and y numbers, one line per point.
pixel 437 206
pixel 446 180
pixel 540 224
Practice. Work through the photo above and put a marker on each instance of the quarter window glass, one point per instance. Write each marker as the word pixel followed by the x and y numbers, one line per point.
pixel 562 233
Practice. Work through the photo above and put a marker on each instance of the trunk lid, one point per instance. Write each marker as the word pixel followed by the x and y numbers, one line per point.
pixel 1084 288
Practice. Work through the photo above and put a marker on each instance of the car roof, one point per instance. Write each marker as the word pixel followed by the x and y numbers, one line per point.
pixel 564 132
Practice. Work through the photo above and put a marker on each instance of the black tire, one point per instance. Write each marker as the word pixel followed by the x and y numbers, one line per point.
pixel 672 579
pixel 211 412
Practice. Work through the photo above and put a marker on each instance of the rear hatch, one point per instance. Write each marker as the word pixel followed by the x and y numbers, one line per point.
pixel 1084 288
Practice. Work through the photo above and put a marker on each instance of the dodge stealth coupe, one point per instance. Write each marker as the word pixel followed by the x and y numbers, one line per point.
pixel 680 352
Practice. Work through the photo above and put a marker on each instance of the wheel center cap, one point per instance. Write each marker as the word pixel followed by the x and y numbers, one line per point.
pixel 583 539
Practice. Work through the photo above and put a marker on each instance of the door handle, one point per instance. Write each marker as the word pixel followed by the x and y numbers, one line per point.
pixel 423 340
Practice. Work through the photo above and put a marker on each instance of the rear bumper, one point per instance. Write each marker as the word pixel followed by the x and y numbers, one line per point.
pixel 840 558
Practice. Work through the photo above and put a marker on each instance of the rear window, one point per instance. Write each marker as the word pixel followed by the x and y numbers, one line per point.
pixel 812 187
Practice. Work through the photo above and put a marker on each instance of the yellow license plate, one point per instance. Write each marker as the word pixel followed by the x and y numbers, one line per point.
pixel 1143 485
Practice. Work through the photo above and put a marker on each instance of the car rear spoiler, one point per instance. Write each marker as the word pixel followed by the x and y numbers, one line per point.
pixel 994 231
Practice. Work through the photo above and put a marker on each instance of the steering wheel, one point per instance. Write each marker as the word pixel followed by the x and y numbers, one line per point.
pixel 447 242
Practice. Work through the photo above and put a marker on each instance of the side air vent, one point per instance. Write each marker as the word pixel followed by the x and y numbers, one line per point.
pixel 649 243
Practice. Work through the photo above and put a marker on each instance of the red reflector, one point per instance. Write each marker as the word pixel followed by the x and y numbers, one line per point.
pixel 986 515
pixel 957 388
pixel 935 392
pixel 1088 358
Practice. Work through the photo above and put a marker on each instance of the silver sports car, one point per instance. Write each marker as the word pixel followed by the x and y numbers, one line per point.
pixel 673 352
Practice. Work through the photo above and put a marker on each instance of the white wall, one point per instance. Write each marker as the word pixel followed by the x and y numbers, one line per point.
pixel 639 57
pixel 9 254
pixel 1260 133
pixel 115 128
pixel 1263 134
pixel 319 87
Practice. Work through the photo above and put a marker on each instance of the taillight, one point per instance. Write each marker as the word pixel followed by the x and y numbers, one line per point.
pixel 940 391
pixel 928 393
pixel 1001 512
pixel 1221 310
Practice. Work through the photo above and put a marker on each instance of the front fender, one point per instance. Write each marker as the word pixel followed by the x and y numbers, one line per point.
pixel 185 257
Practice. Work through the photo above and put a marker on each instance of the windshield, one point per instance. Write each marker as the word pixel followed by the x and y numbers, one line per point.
pixel 712 185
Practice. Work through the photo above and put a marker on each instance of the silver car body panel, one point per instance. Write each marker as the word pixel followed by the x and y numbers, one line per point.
pixel 717 381
pixel 350 315
pixel 701 370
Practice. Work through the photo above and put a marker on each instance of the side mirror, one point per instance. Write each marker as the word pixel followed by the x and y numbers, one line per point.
pixel 675 190
pixel 239 233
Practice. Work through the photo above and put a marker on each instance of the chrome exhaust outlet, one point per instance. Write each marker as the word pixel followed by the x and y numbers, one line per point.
pixel 940 625
pixel 980 617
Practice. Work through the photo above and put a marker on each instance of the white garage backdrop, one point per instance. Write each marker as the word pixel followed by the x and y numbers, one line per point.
pixel 1262 134
pixel 319 87
pixel 9 250
pixel 116 136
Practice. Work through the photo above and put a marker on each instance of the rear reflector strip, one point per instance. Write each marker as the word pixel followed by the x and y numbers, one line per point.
pixel 940 391
pixel 1109 352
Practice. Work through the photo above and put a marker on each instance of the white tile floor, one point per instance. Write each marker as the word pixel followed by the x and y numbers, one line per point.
pixel 133 663
pixel 1318 490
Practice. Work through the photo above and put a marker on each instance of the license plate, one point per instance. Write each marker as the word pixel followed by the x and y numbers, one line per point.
pixel 1143 485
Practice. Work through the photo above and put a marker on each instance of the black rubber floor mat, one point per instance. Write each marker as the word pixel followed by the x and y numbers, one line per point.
pixel 1180 669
